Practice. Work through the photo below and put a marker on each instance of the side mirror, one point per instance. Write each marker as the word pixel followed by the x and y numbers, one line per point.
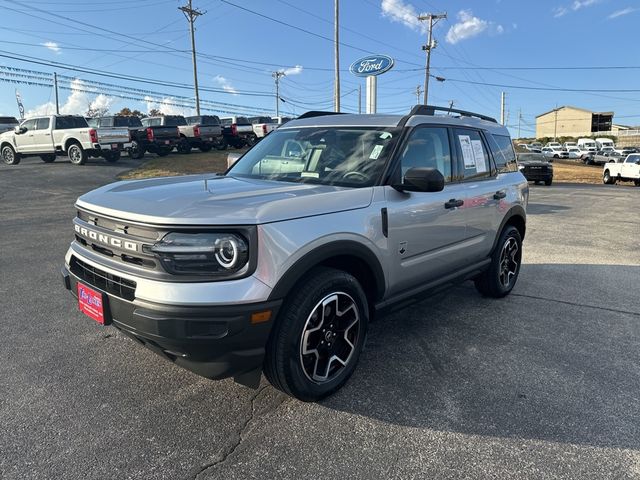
pixel 232 158
pixel 422 179
pixel 20 130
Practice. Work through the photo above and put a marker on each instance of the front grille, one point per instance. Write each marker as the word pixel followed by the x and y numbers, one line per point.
pixel 113 284
pixel 535 169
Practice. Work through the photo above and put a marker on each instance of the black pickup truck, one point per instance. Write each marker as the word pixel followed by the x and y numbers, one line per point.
pixel 145 136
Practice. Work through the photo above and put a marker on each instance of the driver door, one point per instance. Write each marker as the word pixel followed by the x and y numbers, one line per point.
pixel 24 141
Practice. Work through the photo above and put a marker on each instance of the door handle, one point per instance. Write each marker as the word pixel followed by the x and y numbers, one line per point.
pixel 499 194
pixel 453 203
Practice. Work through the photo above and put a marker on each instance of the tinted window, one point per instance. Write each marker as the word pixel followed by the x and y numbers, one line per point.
pixel 42 123
pixel 503 153
pixel 127 122
pixel 472 154
pixel 29 124
pixel 174 121
pixel 9 120
pixel 427 147
pixel 242 121
pixel 633 158
pixel 70 122
pixel 203 120
pixel 102 122
pixel 225 121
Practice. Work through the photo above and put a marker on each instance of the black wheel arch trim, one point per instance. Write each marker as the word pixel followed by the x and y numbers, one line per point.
pixel 515 211
pixel 338 248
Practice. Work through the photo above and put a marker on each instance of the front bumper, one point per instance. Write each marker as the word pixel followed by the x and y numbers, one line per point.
pixel 216 341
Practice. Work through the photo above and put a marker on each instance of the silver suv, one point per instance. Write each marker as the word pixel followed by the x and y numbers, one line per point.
pixel 279 264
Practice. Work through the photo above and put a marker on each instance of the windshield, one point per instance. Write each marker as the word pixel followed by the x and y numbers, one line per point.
pixel 347 156
pixel 174 121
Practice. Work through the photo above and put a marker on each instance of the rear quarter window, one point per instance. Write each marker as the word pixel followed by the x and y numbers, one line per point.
pixel 503 153
pixel 70 122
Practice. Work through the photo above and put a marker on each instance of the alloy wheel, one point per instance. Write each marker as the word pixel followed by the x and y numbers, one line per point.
pixel 329 337
pixel 509 262
pixel 7 155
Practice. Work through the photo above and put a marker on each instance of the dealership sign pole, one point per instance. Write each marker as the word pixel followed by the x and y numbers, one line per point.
pixel 370 67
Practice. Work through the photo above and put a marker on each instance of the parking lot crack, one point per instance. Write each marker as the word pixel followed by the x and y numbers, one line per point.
pixel 239 437
pixel 574 304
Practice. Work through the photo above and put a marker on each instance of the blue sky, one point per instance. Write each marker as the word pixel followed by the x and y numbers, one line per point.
pixel 475 43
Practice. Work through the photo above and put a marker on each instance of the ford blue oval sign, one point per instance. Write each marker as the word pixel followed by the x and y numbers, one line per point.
pixel 371 65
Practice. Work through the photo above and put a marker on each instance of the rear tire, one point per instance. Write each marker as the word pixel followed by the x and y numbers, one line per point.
pixel 606 178
pixel 9 155
pixel 112 157
pixel 163 151
pixel 636 182
pixel 48 157
pixel 136 152
pixel 314 347
pixel 76 154
pixel 221 145
pixel 251 140
pixel 206 147
pixel 501 276
pixel 183 147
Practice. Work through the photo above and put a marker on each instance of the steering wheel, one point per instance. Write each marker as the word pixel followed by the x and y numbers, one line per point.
pixel 357 176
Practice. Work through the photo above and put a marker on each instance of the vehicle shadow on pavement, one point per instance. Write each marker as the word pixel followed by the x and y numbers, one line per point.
pixel 538 364
pixel 544 209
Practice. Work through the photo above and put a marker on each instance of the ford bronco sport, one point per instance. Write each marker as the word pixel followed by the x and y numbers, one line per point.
pixel 278 265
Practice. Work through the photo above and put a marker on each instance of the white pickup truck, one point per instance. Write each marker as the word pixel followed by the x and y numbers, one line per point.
pixel 262 126
pixel 70 135
pixel 628 171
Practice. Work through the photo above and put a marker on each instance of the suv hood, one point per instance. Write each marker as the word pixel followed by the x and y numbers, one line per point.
pixel 207 200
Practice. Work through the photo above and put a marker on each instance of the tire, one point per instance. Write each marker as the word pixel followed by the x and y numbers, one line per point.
pixel 48 157
pixel 76 154
pixel 183 147
pixel 164 151
pixel 636 182
pixel 205 147
pixel 548 182
pixel 136 152
pixel 501 276
pixel 536 182
pixel 310 358
pixel 556 156
pixel 9 155
pixel 112 157
pixel 607 179
pixel 221 145
pixel 251 140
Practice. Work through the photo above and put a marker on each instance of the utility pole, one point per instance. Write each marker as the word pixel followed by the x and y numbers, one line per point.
pixel 359 98
pixel 418 93
pixel 277 76
pixel 55 86
pixel 336 53
pixel 451 102
pixel 502 107
pixel 519 120
pixel 191 14
pixel 431 44
pixel 555 124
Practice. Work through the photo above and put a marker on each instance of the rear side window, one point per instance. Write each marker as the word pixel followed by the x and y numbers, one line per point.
pixel 42 123
pixel 225 121
pixel 503 153
pixel 70 122
pixel 472 154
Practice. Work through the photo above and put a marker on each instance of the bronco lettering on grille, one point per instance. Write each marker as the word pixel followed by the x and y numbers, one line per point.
pixel 106 239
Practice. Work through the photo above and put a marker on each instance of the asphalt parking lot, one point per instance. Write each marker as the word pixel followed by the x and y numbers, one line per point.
pixel 542 384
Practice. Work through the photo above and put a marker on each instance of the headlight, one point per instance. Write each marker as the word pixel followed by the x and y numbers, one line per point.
pixel 520 167
pixel 213 253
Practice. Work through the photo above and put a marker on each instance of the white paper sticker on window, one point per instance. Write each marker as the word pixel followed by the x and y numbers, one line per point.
pixel 375 153
pixel 478 153
pixel 467 151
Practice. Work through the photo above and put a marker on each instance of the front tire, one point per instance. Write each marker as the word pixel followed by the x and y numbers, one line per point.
pixel 9 155
pixel 251 140
pixel 315 345
pixel 76 154
pixel 501 276
pixel 222 144
pixel 48 157
pixel 548 182
pixel 607 179
pixel 206 147
pixel 183 147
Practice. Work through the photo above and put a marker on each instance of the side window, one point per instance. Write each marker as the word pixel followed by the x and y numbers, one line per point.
pixel 105 122
pixel 42 123
pixel 29 125
pixel 503 153
pixel 427 147
pixel 472 154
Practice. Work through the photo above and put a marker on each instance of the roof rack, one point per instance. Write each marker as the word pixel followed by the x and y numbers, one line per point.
pixel 432 109
pixel 316 113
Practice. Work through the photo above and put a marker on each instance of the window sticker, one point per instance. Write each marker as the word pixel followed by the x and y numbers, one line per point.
pixel 467 151
pixel 375 153
pixel 478 153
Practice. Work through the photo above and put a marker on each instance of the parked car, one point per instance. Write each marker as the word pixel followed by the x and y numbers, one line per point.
pixel 279 264
pixel 554 152
pixel 555 145
pixel 536 145
pixel 203 132
pixel 262 126
pixel 587 145
pixel 536 168
pixel 53 135
pixel 238 132
pixel 628 171
pixel 160 136
pixel 8 123
pixel 605 144
pixel 575 153
pixel 568 145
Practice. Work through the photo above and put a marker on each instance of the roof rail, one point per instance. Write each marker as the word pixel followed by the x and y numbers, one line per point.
pixel 316 113
pixel 432 109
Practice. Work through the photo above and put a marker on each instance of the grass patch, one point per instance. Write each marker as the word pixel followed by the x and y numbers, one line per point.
pixel 567 171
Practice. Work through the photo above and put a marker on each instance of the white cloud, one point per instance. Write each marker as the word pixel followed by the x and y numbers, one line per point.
pixel 405 13
pixel 78 102
pixel 575 6
pixel 469 26
pixel 224 83
pixel 53 46
pixel 292 70
pixel 620 13
pixel 560 11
